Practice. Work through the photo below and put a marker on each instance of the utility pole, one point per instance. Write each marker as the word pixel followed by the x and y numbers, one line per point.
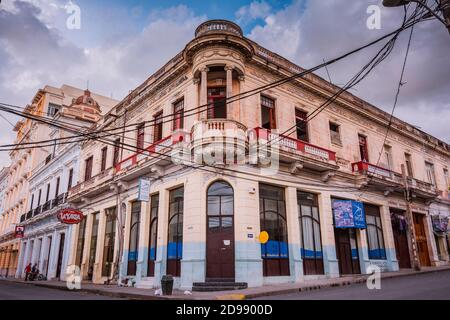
pixel 410 222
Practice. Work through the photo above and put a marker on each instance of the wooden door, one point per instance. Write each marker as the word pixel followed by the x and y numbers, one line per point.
pixel 60 256
pixel 421 239
pixel 399 230
pixel 217 107
pixel 220 248
pixel 347 251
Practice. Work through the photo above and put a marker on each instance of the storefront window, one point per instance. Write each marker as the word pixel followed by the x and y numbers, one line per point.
pixel 93 248
pixel 374 232
pixel 80 243
pixel 175 237
pixel 134 237
pixel 108 248
pixel 311 243
pixel 154 205
pixel 273 220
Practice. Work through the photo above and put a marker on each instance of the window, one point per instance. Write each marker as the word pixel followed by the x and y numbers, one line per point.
pixel 217 108
pixel 104 154
pixel 53 109
pixel 80 243
pixel 335 133
pixel 93 246
pixel 108 247
pixel 32 200
pixel 302 126
pixel 268 113
pixel 57 187
pixel 429 168
pixel 388 157
pixel 408 164
pixel 374 232
pixel 88 168
pixel 69 185
pixel 116 151
pixel 47 196
pixel 158 126
pixel 134 237
pixel 178 111
pixel 311 243
pixel 175 237
pixel 446 179
pixel 273 220
pixel 39 198
pixel 363 148
pixel 154 205
pixel 140 137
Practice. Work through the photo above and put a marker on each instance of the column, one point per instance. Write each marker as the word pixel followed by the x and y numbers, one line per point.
pixel 193 261
pixel 432 251
pixel 193 102
pixel 20 265
pixel 123 269
pixel 97 274
pixel 53 261
pixel 87 246
pixel 204 91
pixel 295 259
pixel 43 257
pixel 331 266
pixel 161 250
pixel 229 82
pixel 8 260
pixel 144 226
pixel 389 242
pixel 361 238
pixel 248 261
pixel 241 103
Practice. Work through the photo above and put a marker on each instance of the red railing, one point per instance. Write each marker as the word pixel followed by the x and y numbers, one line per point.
pixel 299 145
pixel 154 148
pixel 363 166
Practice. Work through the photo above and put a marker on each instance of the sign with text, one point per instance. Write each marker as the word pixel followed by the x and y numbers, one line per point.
pixel 19 232
pixel 70 216
pixel 144 190
pixel 349 214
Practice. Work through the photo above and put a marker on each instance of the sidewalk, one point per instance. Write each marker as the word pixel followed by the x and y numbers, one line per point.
pixel 264 291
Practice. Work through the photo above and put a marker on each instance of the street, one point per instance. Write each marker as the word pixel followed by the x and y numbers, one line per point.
pixel 430 286
pixel 18 291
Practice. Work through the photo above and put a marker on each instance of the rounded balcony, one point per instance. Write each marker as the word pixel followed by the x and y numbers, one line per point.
pixel 221 139
pixel 218 26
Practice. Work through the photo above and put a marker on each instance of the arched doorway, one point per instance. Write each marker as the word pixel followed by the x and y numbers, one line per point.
pixel 220 232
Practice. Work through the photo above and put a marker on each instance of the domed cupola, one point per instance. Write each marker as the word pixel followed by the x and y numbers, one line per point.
pixel 84 107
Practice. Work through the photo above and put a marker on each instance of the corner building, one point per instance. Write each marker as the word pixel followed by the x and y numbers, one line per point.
pixel 201 223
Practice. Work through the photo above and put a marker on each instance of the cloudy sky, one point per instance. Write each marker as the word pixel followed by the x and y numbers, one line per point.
pixel 121 43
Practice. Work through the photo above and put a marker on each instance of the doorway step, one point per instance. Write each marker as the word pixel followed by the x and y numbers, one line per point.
pixel 218 286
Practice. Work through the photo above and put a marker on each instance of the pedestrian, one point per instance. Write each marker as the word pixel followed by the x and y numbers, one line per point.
pixel 34 271
pixel 27 271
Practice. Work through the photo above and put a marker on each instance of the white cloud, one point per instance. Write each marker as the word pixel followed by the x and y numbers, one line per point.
pixel 255 10
pixel 327 29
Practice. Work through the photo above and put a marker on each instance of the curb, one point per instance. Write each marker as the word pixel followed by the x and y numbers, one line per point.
pixel 361 279
pixel 124 295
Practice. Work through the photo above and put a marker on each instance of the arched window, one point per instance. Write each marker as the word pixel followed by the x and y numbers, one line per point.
pixel 154 205
pixel 134 237
pixel 175 237
pixel 273 220
pixel 220 231
pixel 311 243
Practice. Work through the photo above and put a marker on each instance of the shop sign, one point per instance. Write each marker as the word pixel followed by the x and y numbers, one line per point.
pixel 349 214
pixel 19 231
pixel 70 216
pixel 144 190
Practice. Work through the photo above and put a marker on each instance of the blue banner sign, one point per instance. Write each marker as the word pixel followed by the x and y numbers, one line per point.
pixel 349 214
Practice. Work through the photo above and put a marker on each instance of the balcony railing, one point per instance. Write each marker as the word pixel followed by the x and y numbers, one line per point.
pixel 47 206
pixel 421 188
pixel 154 150
pixel 91 184
pixel 297 151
